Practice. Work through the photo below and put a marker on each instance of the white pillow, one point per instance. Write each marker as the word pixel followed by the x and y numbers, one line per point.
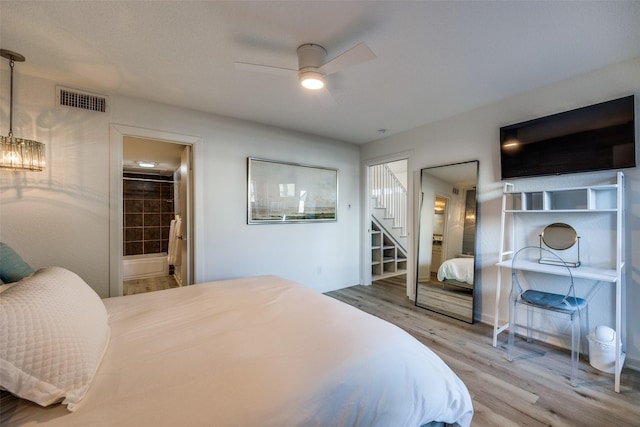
pixel 54 330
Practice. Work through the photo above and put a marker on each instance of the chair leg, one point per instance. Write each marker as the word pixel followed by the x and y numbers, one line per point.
pixel 575 346
pixel 529 323
pixel 583 341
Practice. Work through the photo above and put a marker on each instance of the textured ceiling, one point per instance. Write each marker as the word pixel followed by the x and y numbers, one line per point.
pixel 434 59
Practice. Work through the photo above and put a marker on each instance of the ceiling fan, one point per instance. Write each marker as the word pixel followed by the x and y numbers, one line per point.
pixel 313 67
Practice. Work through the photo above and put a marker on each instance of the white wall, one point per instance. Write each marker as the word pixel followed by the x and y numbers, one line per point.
pixel 475 135
pixel 61 216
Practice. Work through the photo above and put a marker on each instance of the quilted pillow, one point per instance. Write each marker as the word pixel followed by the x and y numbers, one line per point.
pixel 12 267
pixel 54 331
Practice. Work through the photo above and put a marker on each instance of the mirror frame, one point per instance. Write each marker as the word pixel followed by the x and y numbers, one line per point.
pixel 570 240
pixel 447 294
pixel 563 229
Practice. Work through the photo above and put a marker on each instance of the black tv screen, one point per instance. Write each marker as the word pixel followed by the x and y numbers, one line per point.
pixel 593 138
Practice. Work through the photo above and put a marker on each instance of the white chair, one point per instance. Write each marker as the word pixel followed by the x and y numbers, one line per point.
pixel 523 292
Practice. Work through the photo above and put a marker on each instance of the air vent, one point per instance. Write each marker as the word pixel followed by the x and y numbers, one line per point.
pixel 80 99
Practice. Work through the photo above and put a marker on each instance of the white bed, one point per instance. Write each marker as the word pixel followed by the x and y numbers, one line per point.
pixel 258 351
pixel 457 270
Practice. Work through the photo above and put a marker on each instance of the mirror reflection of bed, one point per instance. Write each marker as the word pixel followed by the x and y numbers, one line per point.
pixel 446 242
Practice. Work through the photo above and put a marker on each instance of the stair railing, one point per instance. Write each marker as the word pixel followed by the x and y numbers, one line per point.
pixel 390 194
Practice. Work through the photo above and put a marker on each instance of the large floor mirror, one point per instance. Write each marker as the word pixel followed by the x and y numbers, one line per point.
pixel 447 239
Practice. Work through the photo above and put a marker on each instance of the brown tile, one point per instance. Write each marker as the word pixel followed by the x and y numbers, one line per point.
pixel 133 220
pixel 133 248
pixel 152 247
pixel 167 191
pixel 166 219
pixel 133 206
pixel 132 234
pixel 167 206
pixel 152 190
pixel 133 189
pixel 152 220
pixel 152 206
pixel 152 233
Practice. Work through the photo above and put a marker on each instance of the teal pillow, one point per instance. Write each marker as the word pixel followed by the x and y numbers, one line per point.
pixel 12 267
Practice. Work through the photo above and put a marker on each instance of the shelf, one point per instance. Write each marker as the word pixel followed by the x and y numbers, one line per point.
pixel 582 272
pixel 600 198
pixel 388 259
pixel 561 210
pixel 518 225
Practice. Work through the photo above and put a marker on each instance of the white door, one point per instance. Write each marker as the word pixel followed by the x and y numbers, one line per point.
pixel 186 272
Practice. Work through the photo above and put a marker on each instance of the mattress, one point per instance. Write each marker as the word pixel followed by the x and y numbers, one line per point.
pixel 258 351
pixel 459 269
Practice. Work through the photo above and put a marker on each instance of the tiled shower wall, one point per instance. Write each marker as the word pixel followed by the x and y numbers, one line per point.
pixel 148 211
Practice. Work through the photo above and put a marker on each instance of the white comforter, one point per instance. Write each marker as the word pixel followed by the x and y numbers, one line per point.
pixel 259 351
pixel 460 269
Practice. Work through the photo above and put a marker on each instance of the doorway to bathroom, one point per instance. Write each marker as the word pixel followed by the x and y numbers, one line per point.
pixel 155 198
pixel 152 211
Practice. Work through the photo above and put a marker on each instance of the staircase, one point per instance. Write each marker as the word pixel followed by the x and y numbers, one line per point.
pixel 388 224
pixel 388 258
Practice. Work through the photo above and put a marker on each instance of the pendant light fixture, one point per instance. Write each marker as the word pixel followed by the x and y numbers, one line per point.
pixel 19 154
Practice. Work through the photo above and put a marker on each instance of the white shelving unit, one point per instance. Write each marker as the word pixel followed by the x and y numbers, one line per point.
pixel 387 258
pixel 569 203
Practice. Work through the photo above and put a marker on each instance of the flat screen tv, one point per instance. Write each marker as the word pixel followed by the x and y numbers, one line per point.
pixel 593 138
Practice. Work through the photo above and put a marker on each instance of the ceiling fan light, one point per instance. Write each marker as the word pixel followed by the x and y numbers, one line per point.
pixel 312 80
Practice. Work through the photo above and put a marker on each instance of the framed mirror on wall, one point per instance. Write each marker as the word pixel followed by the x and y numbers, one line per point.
pixel 446 264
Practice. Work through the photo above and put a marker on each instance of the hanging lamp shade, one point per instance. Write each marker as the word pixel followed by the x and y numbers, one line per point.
pixel 19 154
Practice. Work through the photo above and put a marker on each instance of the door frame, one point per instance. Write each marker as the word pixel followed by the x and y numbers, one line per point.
pixel 117 133
pixel 365 234
pixel 445 227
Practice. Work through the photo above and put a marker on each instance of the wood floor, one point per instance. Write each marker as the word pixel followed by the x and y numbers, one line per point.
pixel 531 391
pixel 138 286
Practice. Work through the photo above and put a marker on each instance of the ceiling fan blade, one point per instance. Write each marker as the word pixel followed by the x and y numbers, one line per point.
pixel 325 98
pixel 356 55
pixel 279 71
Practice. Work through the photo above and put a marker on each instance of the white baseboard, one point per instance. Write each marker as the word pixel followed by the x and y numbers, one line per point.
pixel 632 364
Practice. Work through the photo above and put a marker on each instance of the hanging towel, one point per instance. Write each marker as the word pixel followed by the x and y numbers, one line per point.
pixel 172 242
pixel 175 253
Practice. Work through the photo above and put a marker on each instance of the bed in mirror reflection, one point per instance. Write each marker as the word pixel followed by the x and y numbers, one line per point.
pixel 445 279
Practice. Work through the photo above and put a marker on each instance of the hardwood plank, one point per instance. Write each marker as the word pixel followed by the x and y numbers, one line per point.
pixel 533 390
pixel 149 284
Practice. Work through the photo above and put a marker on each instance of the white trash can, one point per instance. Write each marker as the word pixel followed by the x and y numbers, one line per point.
pixel 602 349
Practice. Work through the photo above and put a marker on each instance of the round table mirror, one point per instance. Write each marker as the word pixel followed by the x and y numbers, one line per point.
pixel 559 236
